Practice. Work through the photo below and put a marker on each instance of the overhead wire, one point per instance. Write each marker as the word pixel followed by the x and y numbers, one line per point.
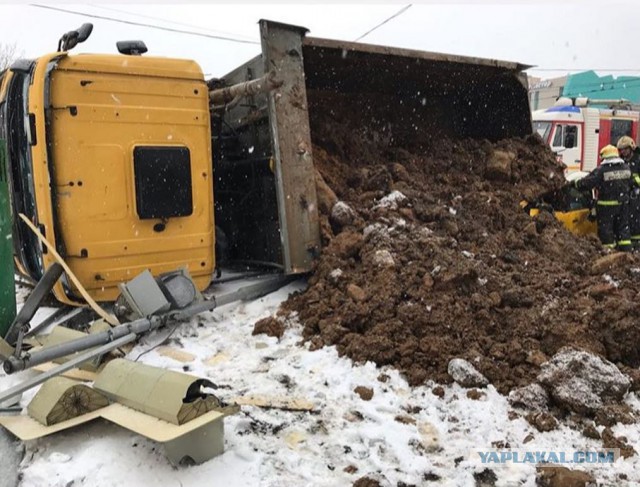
pixel 140 24
pixel 134 14
pixel 399 12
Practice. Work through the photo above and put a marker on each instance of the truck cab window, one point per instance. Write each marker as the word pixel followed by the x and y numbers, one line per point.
pixel 543 129
pixel 620 128
pixel 557 138
pixel 570 136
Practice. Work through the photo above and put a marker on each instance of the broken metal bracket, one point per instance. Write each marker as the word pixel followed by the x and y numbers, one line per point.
pixel 25 386
pixel 33 302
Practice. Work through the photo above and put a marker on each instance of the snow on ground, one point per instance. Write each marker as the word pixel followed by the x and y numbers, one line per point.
pixel 402 436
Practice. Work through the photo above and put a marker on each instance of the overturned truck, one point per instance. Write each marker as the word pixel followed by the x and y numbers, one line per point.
pixel 124 162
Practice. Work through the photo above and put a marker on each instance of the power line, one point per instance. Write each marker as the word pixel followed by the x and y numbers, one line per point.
pixel 167 21
pixel 139 24
pixel 402 10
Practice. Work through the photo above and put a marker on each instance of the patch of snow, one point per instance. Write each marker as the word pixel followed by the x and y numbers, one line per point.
pixel 391 201
pixel 335 274
pixel 610 280
pixel 375 229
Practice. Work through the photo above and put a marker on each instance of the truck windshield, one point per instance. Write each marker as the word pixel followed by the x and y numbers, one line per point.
pixel 14 131
pixel 543 129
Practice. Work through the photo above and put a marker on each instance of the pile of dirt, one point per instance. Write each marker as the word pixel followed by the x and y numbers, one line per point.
pixel 430 257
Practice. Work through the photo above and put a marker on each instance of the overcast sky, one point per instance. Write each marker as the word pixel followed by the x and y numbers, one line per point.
pixel 558 38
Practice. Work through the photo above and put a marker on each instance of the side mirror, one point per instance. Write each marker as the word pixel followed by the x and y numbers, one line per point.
pixel 131 48
pixel 72 38
pixel 84 32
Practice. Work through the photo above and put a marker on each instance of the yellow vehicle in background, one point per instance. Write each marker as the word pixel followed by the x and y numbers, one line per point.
pixel 571 206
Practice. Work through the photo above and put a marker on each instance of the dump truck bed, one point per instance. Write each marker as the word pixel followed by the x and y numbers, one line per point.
pixel 263 146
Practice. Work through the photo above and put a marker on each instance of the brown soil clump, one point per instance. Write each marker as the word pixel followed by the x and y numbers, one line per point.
pixel 269 326
pixel 439 261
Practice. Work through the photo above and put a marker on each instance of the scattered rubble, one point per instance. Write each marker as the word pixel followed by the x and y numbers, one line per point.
pixel 582 382
pixel 342 215
pixel 556 476
pixel 466 374
pixel 613 414
pixel 485 478
pixel 542 421
pixel 365 393
pixel 476 394
pixel 269 326
pixel 533 397
pixel 438 391
pixel 609 440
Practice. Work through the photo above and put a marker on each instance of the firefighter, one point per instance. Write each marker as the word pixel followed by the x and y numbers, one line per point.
pixel 612 179
pixel 631 155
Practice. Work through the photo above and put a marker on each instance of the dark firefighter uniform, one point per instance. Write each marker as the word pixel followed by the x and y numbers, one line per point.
pixel 612 179
pixel 631 155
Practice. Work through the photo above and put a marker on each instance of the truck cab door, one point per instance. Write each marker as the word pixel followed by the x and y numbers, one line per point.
pixel 566 142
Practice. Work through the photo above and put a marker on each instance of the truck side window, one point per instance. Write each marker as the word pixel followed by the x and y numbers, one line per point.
pixel 162 182
pixel 619 128
pixel 557 138
pixel 570 135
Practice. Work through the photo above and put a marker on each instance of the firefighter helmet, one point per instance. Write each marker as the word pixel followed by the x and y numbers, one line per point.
pixel 609 151
pixel 626 142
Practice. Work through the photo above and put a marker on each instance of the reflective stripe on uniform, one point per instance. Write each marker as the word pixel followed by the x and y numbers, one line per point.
pixel 635 237
pixel 636 178
pixel 617 175
pixel 624 242
pixel 608 202
pixel 610 246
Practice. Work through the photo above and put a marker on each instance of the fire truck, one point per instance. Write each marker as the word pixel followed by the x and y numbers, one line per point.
pixel 577 128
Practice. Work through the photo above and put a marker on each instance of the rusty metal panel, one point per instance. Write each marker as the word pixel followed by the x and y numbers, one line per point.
pixel 289 123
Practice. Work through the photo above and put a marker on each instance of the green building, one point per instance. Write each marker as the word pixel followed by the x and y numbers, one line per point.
pixel 595 87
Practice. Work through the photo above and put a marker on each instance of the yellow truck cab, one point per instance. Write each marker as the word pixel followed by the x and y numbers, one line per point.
pixel 110 157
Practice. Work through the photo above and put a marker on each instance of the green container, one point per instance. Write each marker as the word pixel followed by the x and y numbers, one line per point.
pixel 7 282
